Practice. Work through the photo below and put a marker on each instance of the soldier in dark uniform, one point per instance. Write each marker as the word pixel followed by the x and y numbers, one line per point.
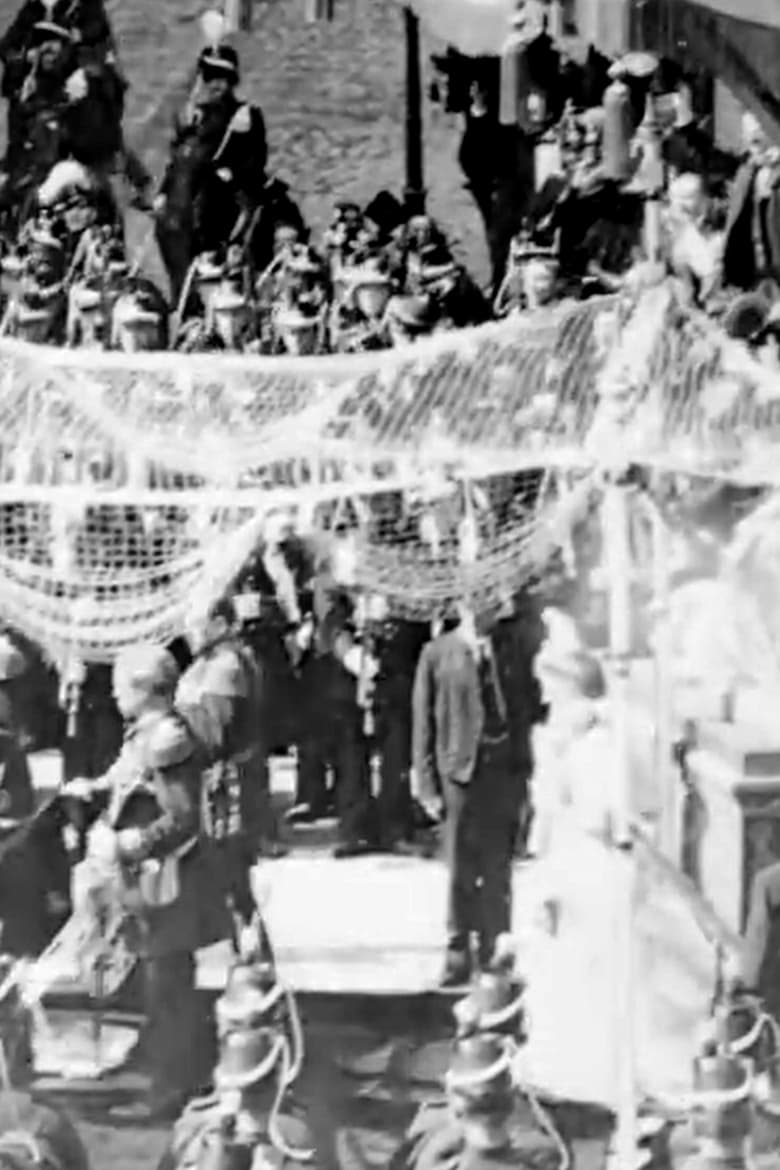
pixel 248 1120
pixel 88 24
pixel 221 697
pixel 333 728
pixel 486 1122
pixel 216 175
pixel 152 825
pixel 64 111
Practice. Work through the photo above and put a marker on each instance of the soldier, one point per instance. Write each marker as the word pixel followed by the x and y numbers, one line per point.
pixel 152 829
pixel 486 1122
pixel 246 1121
pixel 64 111
pixel 216 176
pixel 221 697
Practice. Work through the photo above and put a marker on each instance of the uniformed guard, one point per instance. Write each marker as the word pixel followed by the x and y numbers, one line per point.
pixel 221 697
pixel 216 175
pixel 487 1121
pixel 64 111
pixel 151 829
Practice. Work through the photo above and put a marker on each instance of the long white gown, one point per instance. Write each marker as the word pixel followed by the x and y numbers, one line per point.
pixel 574 1031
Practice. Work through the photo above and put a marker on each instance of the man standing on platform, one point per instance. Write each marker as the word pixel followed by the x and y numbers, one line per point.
pixel 151 829
pixel 471 750
pixel 221 697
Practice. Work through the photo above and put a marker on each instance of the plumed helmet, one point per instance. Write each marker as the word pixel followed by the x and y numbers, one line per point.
pixel 219 61
pixel 64 179
pixel 50 30
pixel 170 743
pixel 12 661
pixel 246 1058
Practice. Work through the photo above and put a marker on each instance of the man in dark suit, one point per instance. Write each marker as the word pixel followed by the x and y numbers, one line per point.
pixel 475 699
pixel 752 237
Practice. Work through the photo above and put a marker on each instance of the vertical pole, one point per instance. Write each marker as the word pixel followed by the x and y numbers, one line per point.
pixel 664 772
pixel 414 192
pixel 615 518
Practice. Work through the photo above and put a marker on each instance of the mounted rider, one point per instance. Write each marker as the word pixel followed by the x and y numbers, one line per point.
pixel 215 178
pixel 65 111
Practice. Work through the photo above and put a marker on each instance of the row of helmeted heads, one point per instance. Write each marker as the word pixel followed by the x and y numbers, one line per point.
pixel 490 1025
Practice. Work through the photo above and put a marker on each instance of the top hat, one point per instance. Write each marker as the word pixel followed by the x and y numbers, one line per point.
pixel 219 61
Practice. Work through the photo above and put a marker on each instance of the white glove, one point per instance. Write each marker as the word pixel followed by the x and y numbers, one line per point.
pixel 158 204
pixel 103 845
pixel 129 842
pixel 77 86
pixel 79 789
pixel 225 174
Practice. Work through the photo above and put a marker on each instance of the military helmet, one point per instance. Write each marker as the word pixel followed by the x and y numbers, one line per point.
pixel 247 1057
pixel 44 31
pixel 219 61
pixel 481 1067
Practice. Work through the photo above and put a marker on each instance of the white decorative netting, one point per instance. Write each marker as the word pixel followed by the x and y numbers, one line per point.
pixel 122 476
pixel 128 482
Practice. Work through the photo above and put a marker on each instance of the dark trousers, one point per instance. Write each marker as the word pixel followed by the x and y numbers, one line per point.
pixel 394 802
pixel 760 961
pixel 342 745
pixel 258 820
pixel 180 1038
pixel 480 827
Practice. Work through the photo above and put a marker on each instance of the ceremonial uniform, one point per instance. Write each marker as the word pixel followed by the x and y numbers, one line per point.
pixel 203 1133
pixel 437 1141
pixel 216 173
pixel 34 1134
pixel 220 696
pixel 154 791
pixel 64 111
